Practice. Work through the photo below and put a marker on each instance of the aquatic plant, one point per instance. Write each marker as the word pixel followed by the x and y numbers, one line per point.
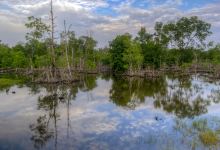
pixel 209 138
pixel 199 132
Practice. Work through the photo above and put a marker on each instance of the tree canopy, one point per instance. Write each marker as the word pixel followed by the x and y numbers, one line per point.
pixel 175 43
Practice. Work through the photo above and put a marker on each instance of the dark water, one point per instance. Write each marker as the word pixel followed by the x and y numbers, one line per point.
pixel 102 112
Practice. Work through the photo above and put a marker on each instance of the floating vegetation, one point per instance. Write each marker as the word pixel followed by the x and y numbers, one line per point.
pixel 200 132
pixel 209 138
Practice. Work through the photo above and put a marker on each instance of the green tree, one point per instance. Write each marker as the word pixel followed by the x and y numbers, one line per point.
pixel 160 37
pixel 213 55
pixel 117 48
pixel 153 55
pixel 42 61
pixel 132 57
pixel 86 47
pixel 105 56
pixel 151 48
pixel 6 56
pixel 143 37
pixel 172 57
pixel 37 27
pixel 187 32
pixel 19 60
pixel 37 31
pixel 125 54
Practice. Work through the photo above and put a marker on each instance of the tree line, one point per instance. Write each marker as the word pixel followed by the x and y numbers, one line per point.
pixel 176 43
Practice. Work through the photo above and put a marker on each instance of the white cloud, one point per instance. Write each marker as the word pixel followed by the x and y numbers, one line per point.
pixel 81 14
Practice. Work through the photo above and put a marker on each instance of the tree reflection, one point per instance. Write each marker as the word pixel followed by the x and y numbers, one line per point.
pixel 182 101
pixel 215 95
pixel 41 132
pixel 178 96
pixel 131 92
pixel 89 82
pixel 45 127
pixel 183 81
pixel 182 107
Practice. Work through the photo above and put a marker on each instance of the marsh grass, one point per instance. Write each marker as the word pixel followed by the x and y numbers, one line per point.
pixel 209 138
pixel 200 132
pixel 5 82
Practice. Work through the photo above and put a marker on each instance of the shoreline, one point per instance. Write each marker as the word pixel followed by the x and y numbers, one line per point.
pixel 66 76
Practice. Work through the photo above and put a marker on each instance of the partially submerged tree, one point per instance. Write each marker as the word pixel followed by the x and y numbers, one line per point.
pixel 152 48
pixel 66 43
pixel 125 54
pixel 132 57
pixel 52 32
pixel 87 46
pixel 117 48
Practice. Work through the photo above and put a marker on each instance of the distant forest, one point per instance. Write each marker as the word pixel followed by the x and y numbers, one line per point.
pixel 176 43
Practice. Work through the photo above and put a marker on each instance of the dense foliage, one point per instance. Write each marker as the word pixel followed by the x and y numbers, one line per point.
pixel 178 43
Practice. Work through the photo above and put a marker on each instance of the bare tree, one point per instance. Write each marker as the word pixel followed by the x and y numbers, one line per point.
pixel 52 18
pixel 66 41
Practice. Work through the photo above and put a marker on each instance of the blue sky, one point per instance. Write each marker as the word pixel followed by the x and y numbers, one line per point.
pixel 183 5
pixel 104 18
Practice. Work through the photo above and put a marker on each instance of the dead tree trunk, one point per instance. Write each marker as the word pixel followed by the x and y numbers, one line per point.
pixel 52 39
pixel 66 39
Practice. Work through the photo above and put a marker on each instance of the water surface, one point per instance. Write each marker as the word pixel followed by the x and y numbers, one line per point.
pixel 103 112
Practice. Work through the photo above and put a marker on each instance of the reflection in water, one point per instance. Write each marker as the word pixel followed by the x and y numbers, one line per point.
pixel 41 132
pixel 181 106
pixel 180 99
pixel 184 99
pixel 133 112
pixel 130 92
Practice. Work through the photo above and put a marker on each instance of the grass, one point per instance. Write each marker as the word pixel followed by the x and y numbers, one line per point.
pixel 209 138
pixel 5 83
pixel 200 132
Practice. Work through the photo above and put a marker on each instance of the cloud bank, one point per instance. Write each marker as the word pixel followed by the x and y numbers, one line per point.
pixel 104 18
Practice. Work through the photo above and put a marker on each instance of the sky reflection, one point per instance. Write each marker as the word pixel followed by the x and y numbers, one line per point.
pixel 99 113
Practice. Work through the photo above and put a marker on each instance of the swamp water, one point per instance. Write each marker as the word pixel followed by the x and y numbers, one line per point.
pixel 112 113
